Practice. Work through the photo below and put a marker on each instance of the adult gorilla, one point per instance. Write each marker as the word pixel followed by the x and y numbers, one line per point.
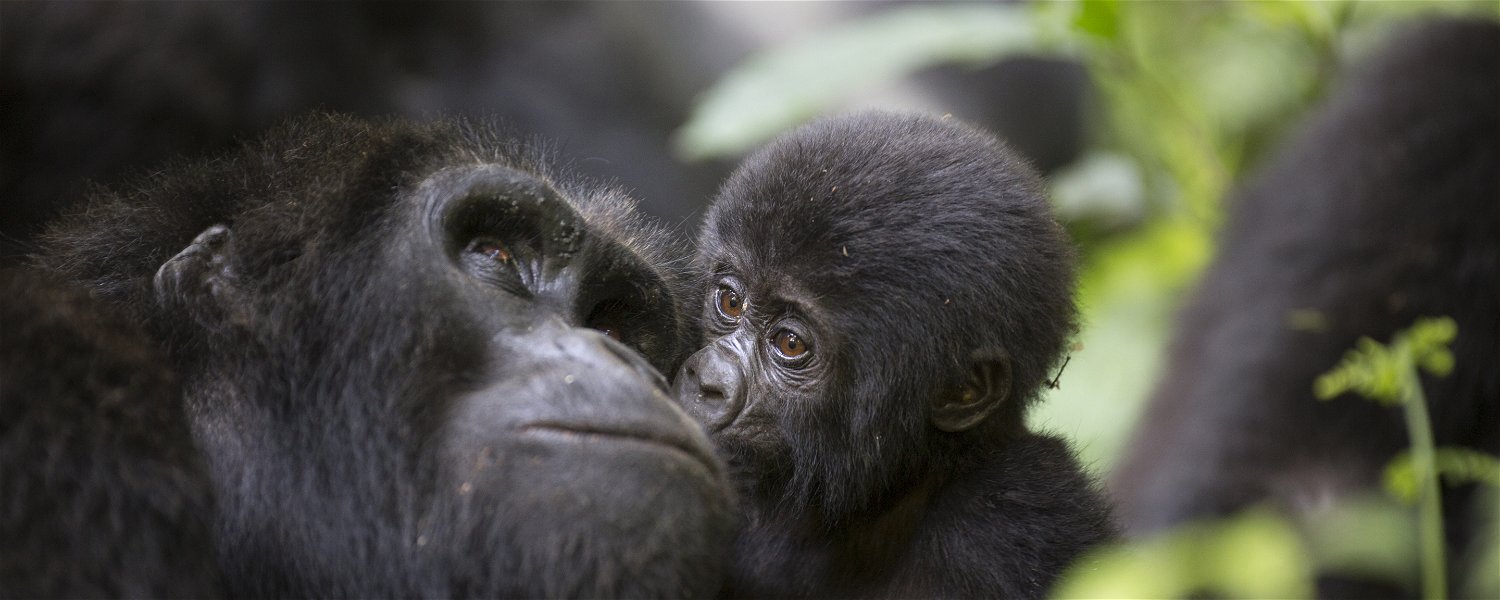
pixel 381 335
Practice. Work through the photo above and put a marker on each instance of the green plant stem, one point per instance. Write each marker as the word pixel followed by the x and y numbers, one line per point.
pixel 1429 502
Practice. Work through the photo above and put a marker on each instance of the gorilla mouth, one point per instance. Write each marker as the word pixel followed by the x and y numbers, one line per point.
pixel 594 433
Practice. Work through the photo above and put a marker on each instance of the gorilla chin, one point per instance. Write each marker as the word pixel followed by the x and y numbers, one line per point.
pixel 594 461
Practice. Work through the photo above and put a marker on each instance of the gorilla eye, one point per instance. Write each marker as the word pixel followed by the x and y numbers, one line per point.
pixel 730 304
pixel 491 249
pixel 789 345
pixel 490 260
pixel 609 329
pixel 610 318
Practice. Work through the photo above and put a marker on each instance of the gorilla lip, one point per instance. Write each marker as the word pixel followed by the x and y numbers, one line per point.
pixel 583 432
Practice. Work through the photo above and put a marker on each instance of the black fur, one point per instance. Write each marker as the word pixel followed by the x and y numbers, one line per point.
pixel 96 91
pixel 1385 208
pixel 379 332
pixel 104 494
pixel 918 259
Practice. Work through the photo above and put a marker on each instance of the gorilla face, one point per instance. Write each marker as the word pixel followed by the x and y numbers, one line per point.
pixel 770 361
pixel 418 365
pixel 880 289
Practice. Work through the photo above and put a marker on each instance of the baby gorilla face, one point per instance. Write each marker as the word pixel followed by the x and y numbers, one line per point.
pixel 871 284
pixel 881 295
pixel 767 346
pixel 769 352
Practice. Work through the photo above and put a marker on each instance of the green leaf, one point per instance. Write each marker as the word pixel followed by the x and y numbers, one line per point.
pixel 786 85
pixel 1457 465
pixel 1255 554
pixel 1099 18
pixel 1429 344
pixel 1380 372
pixel 1258 555
pixel 1318 19
pixel 1105 186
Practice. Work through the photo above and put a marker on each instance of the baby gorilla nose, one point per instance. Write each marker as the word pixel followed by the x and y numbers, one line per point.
pixel 710 388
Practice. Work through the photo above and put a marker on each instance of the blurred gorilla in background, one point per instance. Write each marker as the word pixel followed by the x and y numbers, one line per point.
pixel 415 360
pixel 1385 208
pixel 102 492
pixel 97 91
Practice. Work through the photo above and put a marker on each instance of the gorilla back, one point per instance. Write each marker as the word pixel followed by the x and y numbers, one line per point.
pixel 417 363
pixel 1386 208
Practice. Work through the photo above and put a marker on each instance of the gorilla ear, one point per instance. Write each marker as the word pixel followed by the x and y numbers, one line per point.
pixel 988 387
pixel 200 274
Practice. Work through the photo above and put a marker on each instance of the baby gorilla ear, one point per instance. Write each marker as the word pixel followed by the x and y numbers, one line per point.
pixel 988 387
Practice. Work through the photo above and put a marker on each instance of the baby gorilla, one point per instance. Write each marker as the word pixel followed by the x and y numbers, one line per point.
pixel 885 296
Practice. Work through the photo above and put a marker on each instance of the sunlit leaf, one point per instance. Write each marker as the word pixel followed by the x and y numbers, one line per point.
pixel 789 84
pixel 1255 554
pixel 1258 555
pixel 1102 185
pixel 1162 258
pixel 1319 19
pixel 1099 18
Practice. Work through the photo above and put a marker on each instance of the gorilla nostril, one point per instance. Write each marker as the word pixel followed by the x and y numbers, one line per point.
pixel 710 392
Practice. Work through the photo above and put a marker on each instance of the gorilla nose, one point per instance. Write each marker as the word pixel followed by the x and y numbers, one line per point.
pixel 710 389
pixel 636 362
pixel 602 354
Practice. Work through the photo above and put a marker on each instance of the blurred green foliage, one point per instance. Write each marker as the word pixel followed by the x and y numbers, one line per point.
pixel 787 85
pixel 1260 554
pixel 1253 555
pixel 1388 374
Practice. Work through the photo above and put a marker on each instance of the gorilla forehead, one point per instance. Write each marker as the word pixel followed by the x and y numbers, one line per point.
pixel 378 159
pixel 903 227
pixel 327 177
pixel 882 204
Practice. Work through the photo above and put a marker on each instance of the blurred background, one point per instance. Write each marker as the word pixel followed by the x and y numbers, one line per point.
pixel 1141 115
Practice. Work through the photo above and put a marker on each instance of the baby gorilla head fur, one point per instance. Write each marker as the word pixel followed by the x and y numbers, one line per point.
pixel 388 340
pixel 885 295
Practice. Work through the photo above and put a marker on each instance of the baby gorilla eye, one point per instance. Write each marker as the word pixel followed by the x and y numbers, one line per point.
pixel 789 345
pixel 730 304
